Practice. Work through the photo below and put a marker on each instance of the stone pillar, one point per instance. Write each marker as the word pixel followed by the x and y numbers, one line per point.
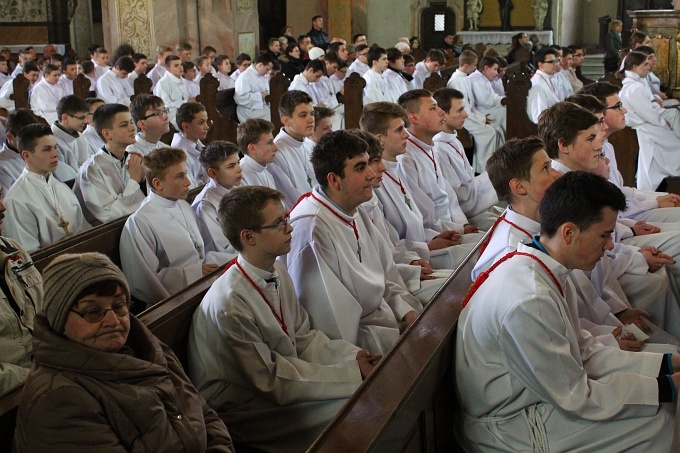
pixel 340 19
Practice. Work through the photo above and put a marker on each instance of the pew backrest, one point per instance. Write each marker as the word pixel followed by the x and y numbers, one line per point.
pixel 142 85
pixel 20 97
pixel 81 86
pixel 434 82
pixel 278 86
pixel 626 149
pixel 354 90
pixel 223 128
pixel 518 124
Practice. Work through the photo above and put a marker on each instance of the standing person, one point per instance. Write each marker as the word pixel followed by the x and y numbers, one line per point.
pixel 613 46
pixel 317 35
pixel 283 400
pixel 503 331
pixel 107 382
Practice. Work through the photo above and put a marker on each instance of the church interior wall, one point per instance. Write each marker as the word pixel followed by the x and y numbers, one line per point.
pixel 592 11
pixel 387 21
pixel 300 13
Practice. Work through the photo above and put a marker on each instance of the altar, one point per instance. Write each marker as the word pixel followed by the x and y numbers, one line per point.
pixel 494 37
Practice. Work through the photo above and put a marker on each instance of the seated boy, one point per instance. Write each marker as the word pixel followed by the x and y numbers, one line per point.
pixel 141 63
pixel 171 88
pixel 69 71
pixel 112 87
pixel 303 82
pixel 151 118
pixel 252 354
pixel 47 93
pixel 376 89
pixel 433 61
pixel 289 169
pixel 11 162
pixel 40 209
pixel 192 119
pixel 220 162
pixel 72 145
pixel 256 143
pixel 31 72
pixel 252 86
pixel 223 66
pixel 90 132
pixel 189 75
pixel 324 121
pixel 107 184
pixel 161 249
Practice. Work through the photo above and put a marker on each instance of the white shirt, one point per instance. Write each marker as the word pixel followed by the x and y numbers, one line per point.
pixel 421 74
pixel 193 151
pixel 93 139
pixel 36 207
pixel 99 70
pixel 11 166
pixel 156 74
pixel 254 174
pixel 542 95
pixel 113 90
pixel 461 82
pixel 395 85
pixel 44 99
pixel 66 85
pixel 357 66
pixel 205 206
pixel 161 249
pixel 6 91
pixel 193 88
pixel 174 93
pixel 74 149
pixel 301 83
pixel 248 95
pixel 290 173
pixel 226 82
pixel 144 147
pixel 375 90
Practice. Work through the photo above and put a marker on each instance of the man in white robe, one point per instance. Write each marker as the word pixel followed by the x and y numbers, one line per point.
pixel 475 194
pixel 291 174
pixel 486 99
pixel 31 72
pixel 303 81
pixel 107 185
pixel 360 64
pixel 282 400
pixel 395 83
pixel 343 270
pixel 256 143
pixel 69 71
pixel 152 120
pixel 252 86
pixel 73 147
pixel 112 87
pixel 488 136
pixel 375 90
pixel 171 88
pixel 434 60
pixel 327 92
pixel 46 94
pixel 543 92
pixel 93 138
pixel 40 209
pixel 194 124
pixel 220 162
pixel 101 62
pixel 161 249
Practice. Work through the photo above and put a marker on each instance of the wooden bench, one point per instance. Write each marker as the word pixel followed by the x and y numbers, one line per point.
pixel 278 86
pixel 81 86
pixel 626 149
pixel 224 127
pixel 518 124
pixel 142 85
pixel 20 96
pixel 353 98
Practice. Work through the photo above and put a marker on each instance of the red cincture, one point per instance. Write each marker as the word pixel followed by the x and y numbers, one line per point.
pixel 434 162
pixel 493 228
pixel 484 275
pixel 352 225
pixel 456 150
pixel 279 317
pixel 403 190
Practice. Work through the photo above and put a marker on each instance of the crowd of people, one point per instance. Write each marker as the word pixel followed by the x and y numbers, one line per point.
pixel 333 241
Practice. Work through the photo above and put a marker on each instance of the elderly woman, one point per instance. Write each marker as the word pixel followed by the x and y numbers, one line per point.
pixel 101 380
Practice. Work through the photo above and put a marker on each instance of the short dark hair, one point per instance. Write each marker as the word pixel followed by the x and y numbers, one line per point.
pixel 220 59
pixel 544 52
pixel 321 113
pixel 183 45
pixel 443 97
pixel 375 149
pixel 19 119
pixel 566 51
pixel 136 57
pixel 357 36
pixel 332 151
pixel 601 90
pixel 468 57
pixel 241 209
pixel 271 41
pixel 512 160
pixel 92 101
pixel 143 102
pixel 30 66
pixel 30 134
pixel 67 62
pixel 317 17
pixel 487 61
pixel 436 55
pixel 393 54
pixel 71 105
pixel 170 58
pixel 250 131
pixel 103 117
pixel 208 49
pixel 187 112
pixel 588 102
pixel 265 59
pixel 636 38
pixel 187 65
pixel 412 99
pixel 647 50
pixel 240 58
pixel 561 123
pixel 316 66
pixel 158 160
pixel 578 197
pixel 360 47
pixel 374 55
pixel 292 99
pixel 87 65
pixel 216 153
pixel 125 63
pixel 49 68
pixel 376 116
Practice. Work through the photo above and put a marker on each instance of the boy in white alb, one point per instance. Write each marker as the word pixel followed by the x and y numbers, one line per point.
pixel 101 62
pixel 151 118
pixel 220 162
pixel 395 83
pixel 543 92
pixel 323 124
pixel 40 209
pixel 360 65
pixel 193 121
pixel 289 169
pixel 303 82
pixel 189 75
pixel 375 90
pixel 31 72
pixel 11 162
pixel 282 400
pixel 69 71
pixel 107 185
pixel 476 195
pixel 112 87
pixel 342 268
pixel 141 63
pixel 161 249
pixel 223 66
pixel 252 86
pixel 73 147
pixel 47 93
pixel 327 92
pixel 171 88
pixel 256 143
pixel 158 71
pixel 486 99
pixel 243 62
pixel 90 132
pixel 433 61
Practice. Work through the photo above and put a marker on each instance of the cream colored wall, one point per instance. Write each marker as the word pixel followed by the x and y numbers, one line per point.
pixel 592 10
pixel 387 21
pixel 300 13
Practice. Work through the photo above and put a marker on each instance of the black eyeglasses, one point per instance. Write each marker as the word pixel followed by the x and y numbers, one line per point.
pixel 94 315
pixel 159 112
pixel 280 225
pixel 617 106
pixel 79 118
pixel 551 61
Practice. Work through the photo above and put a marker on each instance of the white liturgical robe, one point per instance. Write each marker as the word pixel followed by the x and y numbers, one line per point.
pixel 193 151
pixel 156 74
pixel 508 342
pixel 275 390
pixel 375 90
pixel 254 174
pixel 346 281
pixel 73 148
pixel 326 93
pixel 226 82
pixel 41 211
pixel 174 93
pixel 113 90
pixel 395 85
pixel 44 99
pixel 248 95
pixel 291 174
pixel 486 99
pixel 66 85
pixel 205 206
pixel 357 66
pixel 105 189
pixel 542 95
pixel 143 146
pixel 420 75
pixel 161 249
pixel 11 166
pixel 93 138
pixel 300 83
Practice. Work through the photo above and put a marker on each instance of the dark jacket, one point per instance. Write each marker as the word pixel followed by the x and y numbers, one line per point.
pixel 319 38
pixel 291 66
pixel 77 398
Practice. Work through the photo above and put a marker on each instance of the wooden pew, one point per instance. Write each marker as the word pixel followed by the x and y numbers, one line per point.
pixel 434 82
pixel 81 86
pixel 20 96
pixel 408 403
pixel 223 128
pixel 142 85
pixel 354 90
pixel 278 86
pixel 518 124
pixel 626 148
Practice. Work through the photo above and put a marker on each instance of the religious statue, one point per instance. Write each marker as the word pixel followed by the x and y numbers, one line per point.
pixel 540 10
pixel 474 10
pixel 505 7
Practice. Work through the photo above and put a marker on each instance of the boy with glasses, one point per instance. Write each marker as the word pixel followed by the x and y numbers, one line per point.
pixel 543 93
pixel 151 118
pixel 73 147
pixel 360 65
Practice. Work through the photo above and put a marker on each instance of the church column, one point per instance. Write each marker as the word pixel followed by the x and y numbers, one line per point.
pixel 340 19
